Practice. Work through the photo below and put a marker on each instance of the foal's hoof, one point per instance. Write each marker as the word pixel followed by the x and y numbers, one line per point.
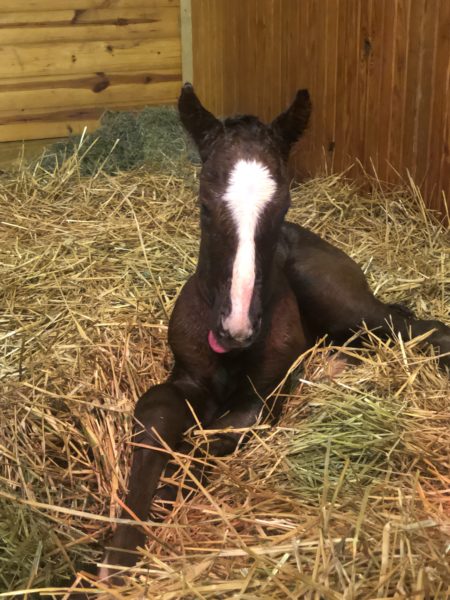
pixel 122 555
pixel 116 567
pixel 112 576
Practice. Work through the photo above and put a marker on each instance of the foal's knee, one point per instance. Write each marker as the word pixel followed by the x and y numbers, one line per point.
pixel 162 412
pixel 161 398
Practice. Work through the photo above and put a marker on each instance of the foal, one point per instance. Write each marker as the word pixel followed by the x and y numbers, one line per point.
pixel 264 291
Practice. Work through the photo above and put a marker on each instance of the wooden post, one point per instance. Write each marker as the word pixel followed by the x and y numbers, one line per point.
pixel 187 68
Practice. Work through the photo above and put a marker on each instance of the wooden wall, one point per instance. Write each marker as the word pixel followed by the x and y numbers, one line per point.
pixel 62 62
pixel 378 72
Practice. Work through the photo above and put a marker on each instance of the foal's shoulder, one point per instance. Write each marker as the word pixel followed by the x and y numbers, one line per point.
pixel 293 238
pixel 295 234
pixel 300 239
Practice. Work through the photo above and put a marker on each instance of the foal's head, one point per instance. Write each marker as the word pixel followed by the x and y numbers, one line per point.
pixel 244 196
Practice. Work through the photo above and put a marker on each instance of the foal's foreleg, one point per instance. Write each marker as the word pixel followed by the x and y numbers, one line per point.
pixel 222 437
pixel 162 415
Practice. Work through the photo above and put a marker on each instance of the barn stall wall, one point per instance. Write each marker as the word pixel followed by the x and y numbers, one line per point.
pixel 62 62
pixel 378 72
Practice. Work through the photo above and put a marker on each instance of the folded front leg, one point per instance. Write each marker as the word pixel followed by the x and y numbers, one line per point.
pixel 162 415
pixel 233 426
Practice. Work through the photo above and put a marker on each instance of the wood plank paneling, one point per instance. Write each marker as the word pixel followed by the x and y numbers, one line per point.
pixel 74 58
pixel 12 19
pixel 156 24
pixel 55 5
pixel 378 72
pixel 398 92
pixel 37 124
pixel 51 125
pixel 62 63
pixel 328 106
pixel 99 90
pixel 438 161
pixel 149 13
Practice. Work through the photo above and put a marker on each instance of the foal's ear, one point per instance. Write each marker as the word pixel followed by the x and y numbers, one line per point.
pixel 202 125
pixel 291 123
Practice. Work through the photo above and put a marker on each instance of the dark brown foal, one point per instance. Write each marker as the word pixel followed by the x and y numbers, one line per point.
pixel 264 291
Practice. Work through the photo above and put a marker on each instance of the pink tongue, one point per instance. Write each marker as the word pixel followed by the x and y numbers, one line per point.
pixel 215 344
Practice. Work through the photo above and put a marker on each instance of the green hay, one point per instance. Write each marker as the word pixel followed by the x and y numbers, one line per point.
pixel 127 140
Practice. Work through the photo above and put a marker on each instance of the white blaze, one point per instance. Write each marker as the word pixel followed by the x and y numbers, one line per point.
pixel 249 190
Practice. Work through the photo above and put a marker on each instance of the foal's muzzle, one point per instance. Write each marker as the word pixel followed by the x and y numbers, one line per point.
pixel 222 340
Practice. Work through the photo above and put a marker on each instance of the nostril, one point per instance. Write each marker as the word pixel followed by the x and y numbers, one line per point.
pixel 223 333
pixel 233 334
pixel 243 336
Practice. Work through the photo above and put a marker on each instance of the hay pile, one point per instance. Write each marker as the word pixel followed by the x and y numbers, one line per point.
pixel 349 497
pixel 126 140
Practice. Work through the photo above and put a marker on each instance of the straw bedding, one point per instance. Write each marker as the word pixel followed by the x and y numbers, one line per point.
pixel 348 497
